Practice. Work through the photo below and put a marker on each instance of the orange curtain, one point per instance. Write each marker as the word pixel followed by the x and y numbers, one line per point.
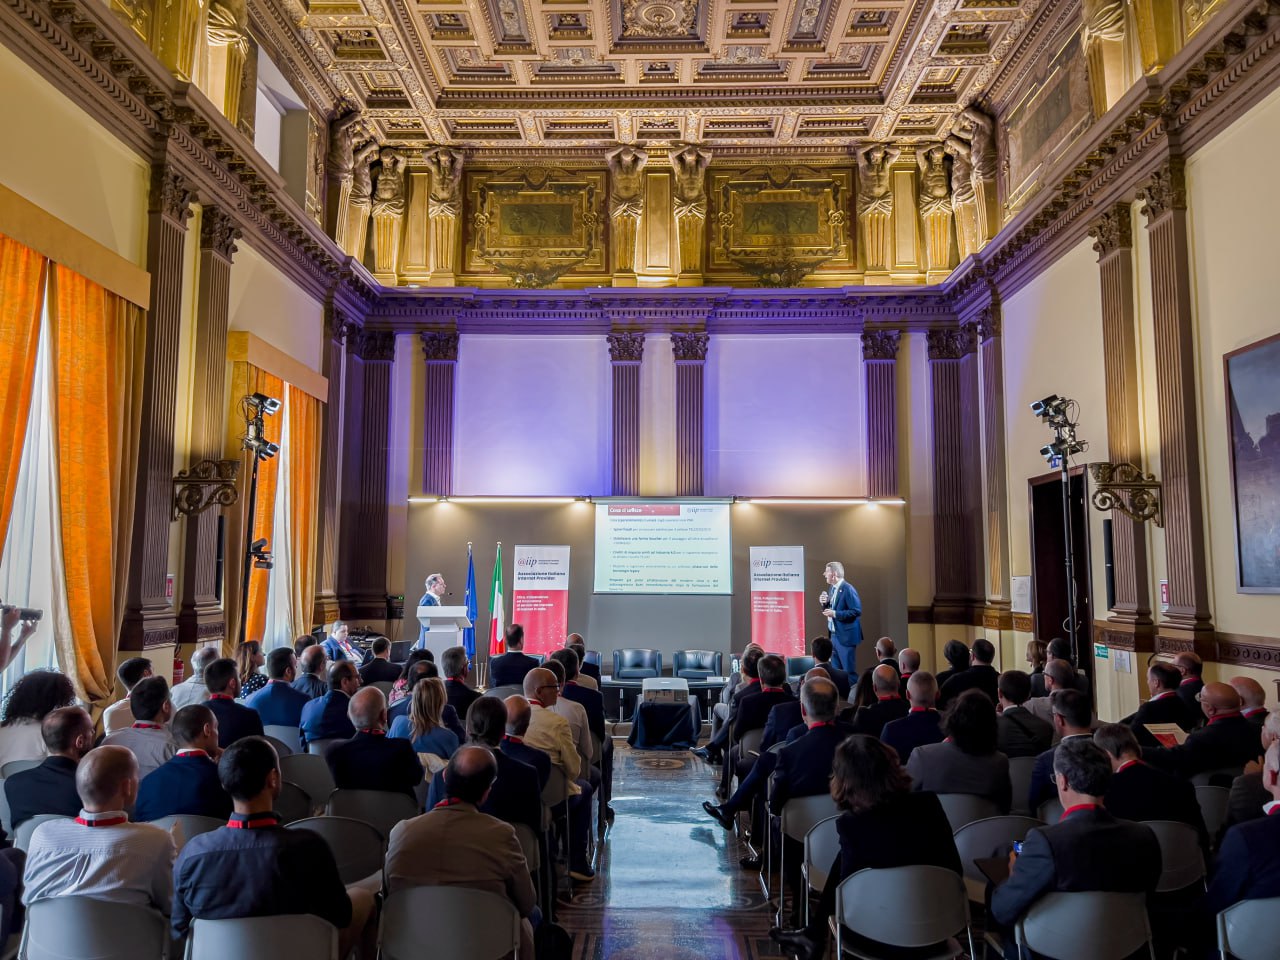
pixel 303 411
pixel 97 362
pixel 247 379
pixel 22 273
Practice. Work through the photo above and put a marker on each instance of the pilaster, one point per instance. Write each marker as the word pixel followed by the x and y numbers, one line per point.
pixel 626 351
pixel 340 329
pixel 880 362
pixel 994 472
pixel 690 351
pixel 440 354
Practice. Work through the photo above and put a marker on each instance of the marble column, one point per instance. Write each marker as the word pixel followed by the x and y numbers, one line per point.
pixel 149 619
pixel 994 474
pixel 626 350
pixel 1113 241
pixel 440 353
pixel 339 329
pixel 1188 622
pixel 201 619
pixel 880 361
pixel 690 351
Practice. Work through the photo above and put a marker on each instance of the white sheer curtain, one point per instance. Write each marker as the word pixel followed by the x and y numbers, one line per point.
pixel 30 565
pixel 278 631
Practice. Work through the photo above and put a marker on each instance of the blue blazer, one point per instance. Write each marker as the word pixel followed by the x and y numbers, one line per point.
pixel 782 719
pixel 913 730
pixel 279 704
pixel 48 788
pixel 845 626
pixel 541 762
pixel 804 766
pixel 429 599
pixel 449 717
pixel 510 668
pixel 235 721
pixel 325 718
pixel 1248 865
pixel 515 796
pixel 375 762
pixel 182 785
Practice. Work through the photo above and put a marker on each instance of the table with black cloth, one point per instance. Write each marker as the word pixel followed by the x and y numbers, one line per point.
pixel 656 725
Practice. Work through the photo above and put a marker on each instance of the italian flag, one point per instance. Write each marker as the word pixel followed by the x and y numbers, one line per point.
pixel 497 606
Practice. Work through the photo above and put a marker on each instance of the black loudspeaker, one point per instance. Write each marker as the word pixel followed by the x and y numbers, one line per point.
pixel 1109 562
pixel 217 559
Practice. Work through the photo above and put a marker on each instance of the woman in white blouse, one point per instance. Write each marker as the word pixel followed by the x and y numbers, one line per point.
pixel 31 699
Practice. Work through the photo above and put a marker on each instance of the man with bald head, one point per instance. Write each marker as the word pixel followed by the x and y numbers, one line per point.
pixel 371 760
pixel 518 715
pixel 889 705
pixel 1226 740
pixel 100 854
pixel 51 787
pixel 923 724
pixel 1253 699
pixel 908 663
pixel 455 845
pixel 311 673
pixel 1192 669
pixel 590 671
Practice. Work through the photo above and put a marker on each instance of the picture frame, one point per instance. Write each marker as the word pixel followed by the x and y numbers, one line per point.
pixel 1250 375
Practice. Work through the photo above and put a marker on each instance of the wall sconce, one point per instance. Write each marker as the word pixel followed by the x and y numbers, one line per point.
pixel 1123 487
pixel 207 483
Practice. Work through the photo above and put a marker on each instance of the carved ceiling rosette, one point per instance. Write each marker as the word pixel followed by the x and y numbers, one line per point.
pixel 626 346
pixel 690 347
pixel 880 344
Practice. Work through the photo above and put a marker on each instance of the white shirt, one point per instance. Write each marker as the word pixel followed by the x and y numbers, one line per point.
pixel 118 716
pixel 189 691
pixel 151 747
pixel 21 740
pixel 576 714
pixel 551 733
pixel 125 863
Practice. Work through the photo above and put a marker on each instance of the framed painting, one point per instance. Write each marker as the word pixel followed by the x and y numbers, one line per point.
pixel 1253 431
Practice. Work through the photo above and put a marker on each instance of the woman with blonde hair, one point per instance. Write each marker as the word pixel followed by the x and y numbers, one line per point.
pixel 1037 657
pixel 425 723
pixel 249 658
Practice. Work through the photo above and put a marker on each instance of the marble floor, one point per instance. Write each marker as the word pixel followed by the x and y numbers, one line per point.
pixel 668 885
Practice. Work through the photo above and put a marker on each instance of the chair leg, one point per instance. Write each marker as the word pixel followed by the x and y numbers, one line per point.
pixel 782 877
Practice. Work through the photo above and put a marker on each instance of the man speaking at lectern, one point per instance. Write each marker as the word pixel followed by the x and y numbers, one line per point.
pixel 435 590
pixel 843 610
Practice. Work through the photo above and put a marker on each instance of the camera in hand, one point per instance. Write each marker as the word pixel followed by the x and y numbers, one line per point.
pixel 24 613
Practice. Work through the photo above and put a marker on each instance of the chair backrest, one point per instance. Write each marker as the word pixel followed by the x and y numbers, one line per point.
pixel 636 663
pixel 699 662
pixel 22 836
pixel 884 905
pixel 988 838
pixel 81 928
pixel 962 808
pixel 385 686
pixel 557 789
pixel 381 809
pixel 1051 810
pixel 17 766
pixel 183 826
pixel 458 923
pixel 357 846
pixel 1250 929
pixel 510 690
pixel 303 936
pixel 321 747
pixel 801 814
pixel 1181 859
pixel 283 749
pixel 294 803
pixel 539 658
pixel 752 740
pixel 821 847
pixel 1221 777
pixel 1213 807
pixel 799 666
pixel 289 736
pixel 1092 924
pixel 593 656
pixel 528 845
pixel 1020 769
pixel 311 773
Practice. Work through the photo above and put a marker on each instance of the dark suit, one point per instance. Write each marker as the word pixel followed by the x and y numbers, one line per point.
pixel 1141 792
pixel 917 728
pixel 514 798
pixel 540 761
pixel 1022 734
pixel 375 762
pixel 509 669
pixel 279 704
pixel 945 768
pixel 783 718
pixel 379 671
pixel 1247 798
pixel 803 768
pixel 1042 787
pixel 1168 708
pixel 325 718
pixel 592 670
pixel 839 677
pixel 1188 690
pixel 185 784
pixel 1037 684
pixel 1248 866
pixel 1227 741
pixel 235 720
pixel 1088 849
pixel 980 676
pixel 752 714
pixel 1257 716
pixel 311 685
pixel 460 696
pixel 845 627
pixel 871 719
pixel 48 788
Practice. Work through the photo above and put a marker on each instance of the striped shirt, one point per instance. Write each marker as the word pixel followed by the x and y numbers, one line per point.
pixel 151 747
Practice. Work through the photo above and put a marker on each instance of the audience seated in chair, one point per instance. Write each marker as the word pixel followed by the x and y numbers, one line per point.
pixel 455 844
pixel 1165 706
pixel 29 701
pixel 372 760
pixel 592 702
pixel 752 713
pixel 1020 732
pixel 1191 668
pixel 980 675
pixel 723 714
pixel 118 716
pixel 1058 675
pixel 1248 865
pixel 311 673
pixel 1248 792
pixel 188 783
pixel 1139 791
pixel 325 718
pixel 1087 850
pixel 418 670
pixel 957 656
pixel 51 787
pixel 379 668
pixel 100 854
pixel 576 715
pixel 1036 656
pixel 149 737
pixel 456 667
pixel 922 725
pixel 338 646
pixel 250 659
pixel 193 689
pixel 279 703
pixel 883 824
pixel 908 663
pixel 254 867
pixel 590 672
pixel 1253 699
pixel 1072 719
pixel 519 713
pixel 1059 648
pixel 889 705
pixel 967 761
pixel 887 653
pixel 509 669
pixel 821 649
pixel 1226 740
pixel 424 724
pixel 235 720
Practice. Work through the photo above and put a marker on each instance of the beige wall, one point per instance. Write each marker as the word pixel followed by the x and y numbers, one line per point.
pixel 266 303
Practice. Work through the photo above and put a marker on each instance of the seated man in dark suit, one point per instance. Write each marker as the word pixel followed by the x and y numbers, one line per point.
pixel 519 714
pixel 1165 706
pixel 1248 793
pixel 235 720
pixel 1253 699
pixel 311 673
pixel 188 782
pixel 371 760
pixel 325 718
pixel 575 643
pixel 749 683
pixel 922 725
pixel 1072 720
pixel 456 668
pixel 1021 732
pixel 787 718
pixel 889 705
pixel 821 648
pixel 908 663
pixel 254 867
pixel 1087 850
pixel 887 653
pixel 1192 669
pixel 753 714
pixel 51 787
pixel 1227 740
pixel 379 669
pixel 1139 791
pixel 420 670
pixel 509 669
pixel 1248 866
pixel 981 675
pixel 279 703
pixel 515 796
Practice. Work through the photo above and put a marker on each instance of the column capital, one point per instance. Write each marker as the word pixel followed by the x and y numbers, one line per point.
pixel 1112 231
pixel 951 343
pixel 880 344
pixel 376 345
pixel 218 232
pixel 171 193
pixel 439 345
pixel 690 347
pixel 1165 191
pixel 984 325
pixel 626 346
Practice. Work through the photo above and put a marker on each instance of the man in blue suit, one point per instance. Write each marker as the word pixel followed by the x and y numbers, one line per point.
pixel 187 782
pixel 843 610
pixel 431 598
pixel 1249 859
pixel 325 718
pixel 338 647
pixel 922 725
pixel 509 669
pixel 513 745
pixel 278 703
pixel 235 720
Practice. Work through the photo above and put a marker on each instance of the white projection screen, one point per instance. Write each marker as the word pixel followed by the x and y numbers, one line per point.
pixel 663 547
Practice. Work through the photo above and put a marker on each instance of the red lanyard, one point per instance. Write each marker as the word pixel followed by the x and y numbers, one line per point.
pixel 101 822
pixel 140 725
pixel 451 802
pixel 255 822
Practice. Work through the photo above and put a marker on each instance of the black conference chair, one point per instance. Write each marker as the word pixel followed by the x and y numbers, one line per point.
pixel 635 663
pixel 593 656
pixel 697 664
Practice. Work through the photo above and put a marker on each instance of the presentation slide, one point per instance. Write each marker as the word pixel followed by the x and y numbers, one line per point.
pixel 663 546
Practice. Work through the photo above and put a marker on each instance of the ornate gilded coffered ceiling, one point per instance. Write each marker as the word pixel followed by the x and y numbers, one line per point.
pixel 504 76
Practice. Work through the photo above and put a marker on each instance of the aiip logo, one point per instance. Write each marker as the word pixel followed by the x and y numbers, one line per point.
pixel 762 564
pixel 527 562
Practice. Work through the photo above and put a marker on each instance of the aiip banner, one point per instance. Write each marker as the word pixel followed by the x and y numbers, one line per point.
pixel 540 596
pixel 777 599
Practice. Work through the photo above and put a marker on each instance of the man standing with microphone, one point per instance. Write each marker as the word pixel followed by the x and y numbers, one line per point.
pixel 843 610
pixel 434 591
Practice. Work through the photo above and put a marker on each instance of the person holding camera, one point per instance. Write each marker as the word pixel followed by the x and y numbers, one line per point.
pixel 9 621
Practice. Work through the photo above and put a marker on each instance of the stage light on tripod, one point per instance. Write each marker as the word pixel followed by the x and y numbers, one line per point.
pixel 263 403
pixel 1050 407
